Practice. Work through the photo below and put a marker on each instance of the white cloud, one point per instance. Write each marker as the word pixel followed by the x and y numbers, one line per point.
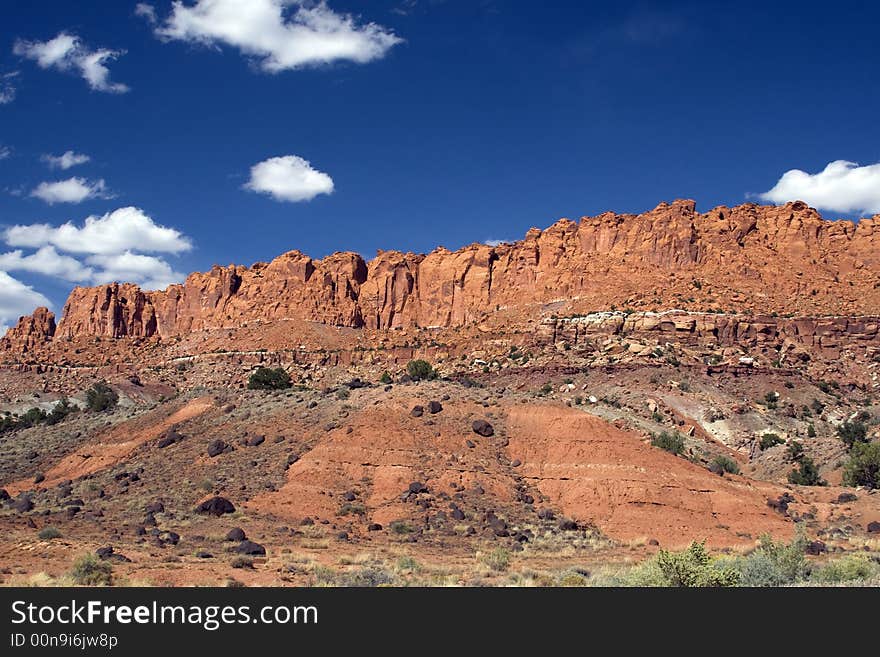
pixel 841 187
pixel 72 190
pixel 17 299
pixel 7 89
pixel 125 229
pixel 496 242
pixel 149 272
pixel 66 52
pixel 46 261
pixel 146 11
pixel 289 178
pixel 5 152
pixel 66 160
pixel 282 34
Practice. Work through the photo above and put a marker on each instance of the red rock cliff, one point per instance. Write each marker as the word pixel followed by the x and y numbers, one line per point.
pixel 750 258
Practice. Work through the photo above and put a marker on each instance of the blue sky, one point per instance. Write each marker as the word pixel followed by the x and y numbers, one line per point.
pixel 405 124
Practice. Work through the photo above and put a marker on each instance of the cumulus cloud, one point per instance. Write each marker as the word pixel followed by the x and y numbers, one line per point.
pixel 149 272
pixel 66 160
pixel 66 52
pixel 72 190
pixel 840 187
pixel 125 229
pixel 17 299
pixel 146 11
pixel 48 262
pixel 289 178
pixel 281 34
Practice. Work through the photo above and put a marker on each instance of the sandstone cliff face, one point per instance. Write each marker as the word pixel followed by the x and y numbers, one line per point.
pixel 749 258
pixel 30 333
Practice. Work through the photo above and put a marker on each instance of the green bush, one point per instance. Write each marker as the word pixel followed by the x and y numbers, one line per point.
pixel 419 370
pixel 795 450
pixel 242 561
pixel 89 570
pixel 671 442
pixel 811 430
pixel 343 394
pixel 48 533
pixel 863 467
pixel 399 527
pixel 853 432
pixel 773 563
pixel 724 463
pixel 385 378
pixel 806 474
pixel 769 440
pixel 101 397
pixel 269 379
pixel 693 568
pixel 60 411
pixel 498 559
pixel 850 568
pixel 33 417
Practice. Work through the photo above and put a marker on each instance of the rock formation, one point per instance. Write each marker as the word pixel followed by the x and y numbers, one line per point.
pixel 749 258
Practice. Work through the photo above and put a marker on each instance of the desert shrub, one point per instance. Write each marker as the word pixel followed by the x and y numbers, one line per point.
pixel 343 393
pixel 242 561
pixel 795 450
pixel 32 417
pixel 773 563
pixel 89 570
pixel 853 432
pixel 48 533
pixel 811 430
pixel 351 508
pixel 724 463
pixel 850 568
pixel 546 389
pixel 769 440
pixel 385 378
pixel 571 578
pixel 368 576
pixel 671 442
pixel 60 411
pixel 863 467
pixel 498 559
pixel 101 397
pixel 806 474
pixel 419 370
pixel 407 563
pixel 399 527
pixel 269 379
pixel 693 567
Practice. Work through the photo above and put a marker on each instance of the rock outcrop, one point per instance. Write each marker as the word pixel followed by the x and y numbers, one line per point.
pixel 30 333
pixel 746 259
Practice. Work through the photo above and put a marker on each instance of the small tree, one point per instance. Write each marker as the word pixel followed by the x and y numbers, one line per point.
pixel 863 467
pixel 420 370
pixel 795 450
pixel 268 379
pixel 807 474
pixel 853 432
pixel 386 378
pixel 769 440
pixel 101 397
